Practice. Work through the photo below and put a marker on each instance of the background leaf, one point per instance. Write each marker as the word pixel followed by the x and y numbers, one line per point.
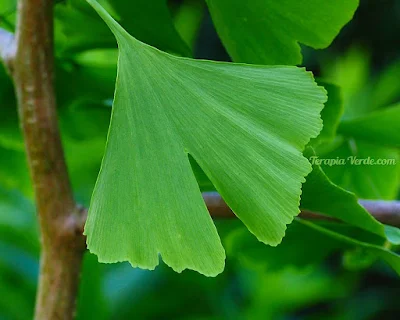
pixel 381 127
pixel 268 31
pixel 149 21
pixel 317 243
pixel 321 195
pixel 379 181
pixel 367 129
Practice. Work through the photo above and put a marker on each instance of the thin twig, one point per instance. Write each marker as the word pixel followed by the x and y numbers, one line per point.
pixel 387 212
pixel 59 218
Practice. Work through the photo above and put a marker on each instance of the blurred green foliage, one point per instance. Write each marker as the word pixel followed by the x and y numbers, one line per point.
pixel 314 274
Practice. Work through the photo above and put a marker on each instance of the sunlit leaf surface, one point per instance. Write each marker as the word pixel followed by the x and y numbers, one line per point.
pixel 244 125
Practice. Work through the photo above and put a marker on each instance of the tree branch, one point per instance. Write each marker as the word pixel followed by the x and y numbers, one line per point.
pixel 387 212
pixel 59 218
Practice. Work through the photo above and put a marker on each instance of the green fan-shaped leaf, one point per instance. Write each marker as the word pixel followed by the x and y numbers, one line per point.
pixel 268 31
pixel 244 125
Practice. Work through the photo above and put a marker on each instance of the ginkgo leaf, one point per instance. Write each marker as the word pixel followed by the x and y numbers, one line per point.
pixel 244 125
pixel 268 31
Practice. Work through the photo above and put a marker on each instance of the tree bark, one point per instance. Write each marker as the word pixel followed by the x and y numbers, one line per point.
pixel 31 64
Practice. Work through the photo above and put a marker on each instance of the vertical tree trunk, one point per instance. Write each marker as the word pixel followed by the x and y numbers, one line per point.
pixel 62 242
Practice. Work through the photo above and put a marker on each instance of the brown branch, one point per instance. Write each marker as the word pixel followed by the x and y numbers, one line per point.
pixel 59 218
pixel 387 212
